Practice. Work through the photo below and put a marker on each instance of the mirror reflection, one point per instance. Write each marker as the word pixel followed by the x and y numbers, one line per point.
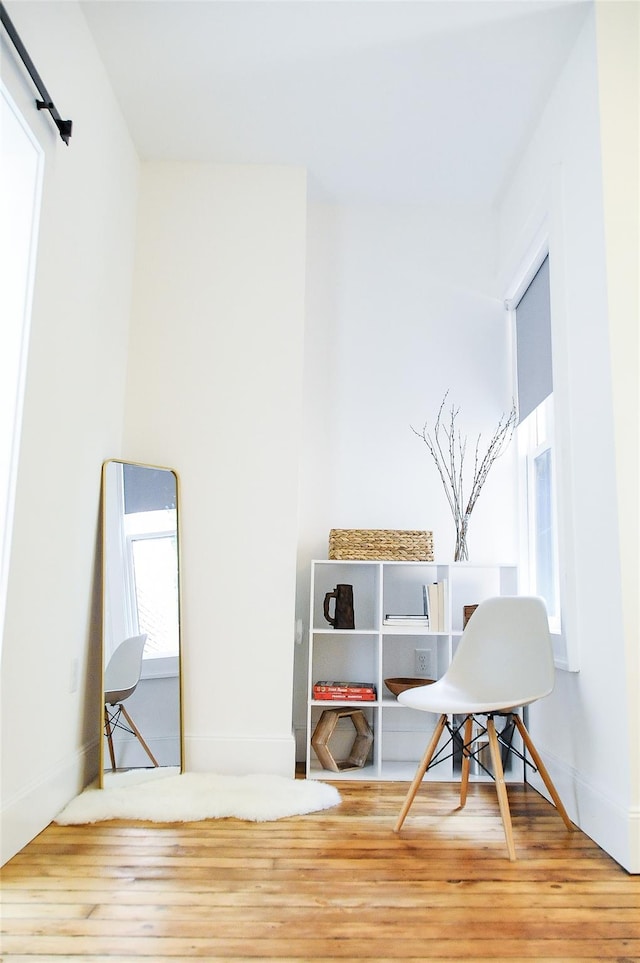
pixel 142 710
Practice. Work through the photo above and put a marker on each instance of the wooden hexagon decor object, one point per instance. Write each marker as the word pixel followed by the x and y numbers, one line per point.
pixel 325 729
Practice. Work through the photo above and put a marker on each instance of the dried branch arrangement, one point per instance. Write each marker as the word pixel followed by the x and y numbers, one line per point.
pixel 448 447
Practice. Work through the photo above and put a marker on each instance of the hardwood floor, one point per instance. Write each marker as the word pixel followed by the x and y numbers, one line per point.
pixel 335 885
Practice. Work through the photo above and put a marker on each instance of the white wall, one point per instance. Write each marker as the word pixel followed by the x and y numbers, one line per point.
pixel 401 306
pixel 583 729
pixel 214 391
pixel 618 39
pixel 73 410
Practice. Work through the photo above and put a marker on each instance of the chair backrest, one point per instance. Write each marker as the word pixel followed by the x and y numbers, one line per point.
pixel 505 653
pixel 122 673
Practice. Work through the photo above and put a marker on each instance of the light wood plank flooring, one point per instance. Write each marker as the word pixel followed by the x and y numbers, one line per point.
pixel 335 885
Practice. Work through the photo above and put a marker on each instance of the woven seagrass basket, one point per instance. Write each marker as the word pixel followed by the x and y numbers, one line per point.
pixel 380 544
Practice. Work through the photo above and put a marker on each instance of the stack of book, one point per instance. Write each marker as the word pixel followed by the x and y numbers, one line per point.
pixel 351 691
pixel 417 621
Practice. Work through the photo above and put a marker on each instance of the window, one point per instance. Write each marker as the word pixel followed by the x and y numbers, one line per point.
pixel 543 528
pixel 21 169
pixel 535 434
pixel 539 561
pixel 153 579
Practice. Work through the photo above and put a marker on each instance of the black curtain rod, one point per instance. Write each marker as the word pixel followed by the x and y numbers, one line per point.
pixel 64 126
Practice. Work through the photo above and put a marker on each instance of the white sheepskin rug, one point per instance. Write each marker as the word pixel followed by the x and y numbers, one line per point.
pixel 193 796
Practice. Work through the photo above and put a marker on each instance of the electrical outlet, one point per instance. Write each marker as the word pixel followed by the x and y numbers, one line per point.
pixel 424 663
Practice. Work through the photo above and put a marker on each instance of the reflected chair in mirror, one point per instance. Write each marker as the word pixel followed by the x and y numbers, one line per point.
pixel 121 678
pixel 504 661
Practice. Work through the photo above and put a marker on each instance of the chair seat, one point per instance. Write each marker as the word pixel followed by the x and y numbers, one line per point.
pixel 444 696
pixel 115 696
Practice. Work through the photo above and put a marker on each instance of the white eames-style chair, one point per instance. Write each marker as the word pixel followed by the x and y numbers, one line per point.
pixel 121 678
pixel 504 661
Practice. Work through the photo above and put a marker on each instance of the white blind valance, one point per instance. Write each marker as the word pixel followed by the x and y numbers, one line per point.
pixel 533 338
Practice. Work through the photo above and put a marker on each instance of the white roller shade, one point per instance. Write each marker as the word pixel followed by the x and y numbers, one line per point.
pixel 533 336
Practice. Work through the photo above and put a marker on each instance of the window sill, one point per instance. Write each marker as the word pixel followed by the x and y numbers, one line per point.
pixel 163 668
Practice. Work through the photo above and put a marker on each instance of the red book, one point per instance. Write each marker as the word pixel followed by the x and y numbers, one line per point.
pixel 346 696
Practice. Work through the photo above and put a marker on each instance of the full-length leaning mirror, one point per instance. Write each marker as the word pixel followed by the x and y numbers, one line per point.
pixel 141 705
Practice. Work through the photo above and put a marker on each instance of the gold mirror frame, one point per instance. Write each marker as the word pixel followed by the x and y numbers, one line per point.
pixel 120 591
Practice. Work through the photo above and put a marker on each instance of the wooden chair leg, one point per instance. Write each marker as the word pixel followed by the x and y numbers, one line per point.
pixel 109 733
pixel 466 761
pixel 137 733
pixel 546 778
pixel 501 789
pixel 420 771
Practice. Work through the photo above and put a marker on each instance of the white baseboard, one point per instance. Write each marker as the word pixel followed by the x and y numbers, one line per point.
pixel 29 811
pixel 237 755
pixel 614 827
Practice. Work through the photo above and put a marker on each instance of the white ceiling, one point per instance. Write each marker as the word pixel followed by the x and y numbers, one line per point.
pixel 383 101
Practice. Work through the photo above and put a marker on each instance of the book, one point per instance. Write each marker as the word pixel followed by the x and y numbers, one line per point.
pixel 419 621
pixel 347 696
pixel 442 605
pixel 324 686
pixel 411 617
pixel 434 610
pixel 437 592
pixel 425 601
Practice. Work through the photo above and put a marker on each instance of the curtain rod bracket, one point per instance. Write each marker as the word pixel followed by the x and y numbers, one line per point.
pixel 64 126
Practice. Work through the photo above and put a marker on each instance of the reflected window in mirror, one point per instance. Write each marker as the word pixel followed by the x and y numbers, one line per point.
pixel 151 553
pixel 143 559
